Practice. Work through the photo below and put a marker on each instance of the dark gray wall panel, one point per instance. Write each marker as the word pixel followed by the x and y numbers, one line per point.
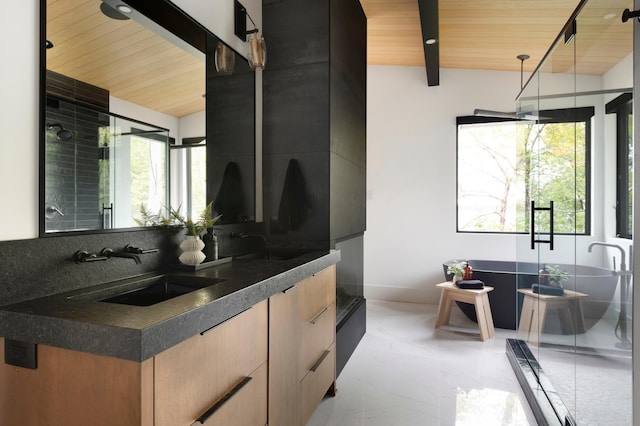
pixel 348 118
pixel 348 198
pixel 231 139
pixel 314 169
pixel 297 32
pixel 296 105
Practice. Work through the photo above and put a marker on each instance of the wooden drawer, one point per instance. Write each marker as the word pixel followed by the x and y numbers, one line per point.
pixel 317 335
pixel 317 382
pixel 243 405
pixel 317 292
pixel 191 376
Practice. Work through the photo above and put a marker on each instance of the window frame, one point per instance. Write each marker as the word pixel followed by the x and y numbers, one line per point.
pixel 564 115
pixel 622 106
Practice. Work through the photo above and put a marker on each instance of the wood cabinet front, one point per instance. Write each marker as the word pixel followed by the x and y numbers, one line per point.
pixel 71 388
pixel 302 326
pixel 199 375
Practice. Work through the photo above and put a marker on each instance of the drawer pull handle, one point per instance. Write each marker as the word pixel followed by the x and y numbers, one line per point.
pixel 203 332
pixel 286 290
pixel 320 315
pixel 319 361
pixel 203 418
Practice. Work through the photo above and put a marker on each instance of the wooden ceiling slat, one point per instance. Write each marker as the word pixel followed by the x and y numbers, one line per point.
pixel 130 61
pixel 479 34
pixel 493 32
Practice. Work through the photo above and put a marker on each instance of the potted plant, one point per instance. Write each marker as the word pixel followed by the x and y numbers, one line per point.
pixel 192 245
pixel 457 270
pixel 557 275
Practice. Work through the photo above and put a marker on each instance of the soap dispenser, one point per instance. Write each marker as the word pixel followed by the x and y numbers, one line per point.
pixel 210 245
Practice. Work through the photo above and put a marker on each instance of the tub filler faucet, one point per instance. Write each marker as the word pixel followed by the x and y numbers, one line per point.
pixel 623 265
pixel 625 278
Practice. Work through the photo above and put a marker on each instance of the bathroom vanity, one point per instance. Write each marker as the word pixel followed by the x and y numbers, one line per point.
pixel 262 335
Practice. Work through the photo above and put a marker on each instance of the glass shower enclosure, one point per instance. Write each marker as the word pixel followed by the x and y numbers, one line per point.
pixel 574 324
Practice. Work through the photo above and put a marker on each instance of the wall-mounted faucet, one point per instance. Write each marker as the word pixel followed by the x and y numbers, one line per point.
pixel 131 249
pixel 83 256
pixel 107 252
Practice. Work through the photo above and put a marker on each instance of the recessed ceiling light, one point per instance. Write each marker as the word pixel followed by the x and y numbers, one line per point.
pixel 430 41
pixel 609 16
pixel 124 8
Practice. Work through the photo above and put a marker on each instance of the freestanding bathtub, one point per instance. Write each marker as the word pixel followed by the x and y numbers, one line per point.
pixel 506 277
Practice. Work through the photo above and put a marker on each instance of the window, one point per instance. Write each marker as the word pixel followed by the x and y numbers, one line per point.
pixel 189 176
pixel 622 106
pixel 504 164
pixel 196 179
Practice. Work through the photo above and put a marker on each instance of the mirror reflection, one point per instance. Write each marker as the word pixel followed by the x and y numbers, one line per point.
pixel 117 87
pixel 100 168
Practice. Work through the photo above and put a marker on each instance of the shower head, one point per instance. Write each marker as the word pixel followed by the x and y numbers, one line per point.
pixel 62 134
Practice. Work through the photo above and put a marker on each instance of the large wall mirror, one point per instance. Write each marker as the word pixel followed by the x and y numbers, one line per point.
pixel 121 83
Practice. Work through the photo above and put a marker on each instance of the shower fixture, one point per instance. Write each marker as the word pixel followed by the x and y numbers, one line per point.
pixel 62 134
pixel 522 58
pixel 509 115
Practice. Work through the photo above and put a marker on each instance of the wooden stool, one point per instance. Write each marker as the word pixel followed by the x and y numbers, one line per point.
pixel 534 311
pixel 479 298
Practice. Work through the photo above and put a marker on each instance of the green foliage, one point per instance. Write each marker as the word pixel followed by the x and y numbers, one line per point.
pixel 557 274
pixel 501 169
pixel 456 268
pixel 148 218
pixel 199 226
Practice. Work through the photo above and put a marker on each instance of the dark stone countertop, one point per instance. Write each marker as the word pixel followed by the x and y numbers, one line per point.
pixel 77 321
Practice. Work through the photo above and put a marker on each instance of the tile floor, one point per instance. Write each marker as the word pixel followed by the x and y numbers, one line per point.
pixel 404 372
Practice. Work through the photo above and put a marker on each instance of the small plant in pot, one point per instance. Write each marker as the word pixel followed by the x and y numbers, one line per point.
pixel 457 270
pixel 557 275
pixel 192 245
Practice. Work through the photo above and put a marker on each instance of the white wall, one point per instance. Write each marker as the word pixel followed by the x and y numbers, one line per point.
pixel 155 118
pixel 411 178
pixel 19 122
pixel 220 19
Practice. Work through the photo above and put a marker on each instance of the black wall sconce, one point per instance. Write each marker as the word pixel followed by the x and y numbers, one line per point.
pixel 257 56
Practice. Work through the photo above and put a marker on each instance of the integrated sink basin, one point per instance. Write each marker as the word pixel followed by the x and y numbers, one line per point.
pixel 158 289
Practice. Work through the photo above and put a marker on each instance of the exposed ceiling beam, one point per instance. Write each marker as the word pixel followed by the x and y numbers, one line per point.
pixel 430 39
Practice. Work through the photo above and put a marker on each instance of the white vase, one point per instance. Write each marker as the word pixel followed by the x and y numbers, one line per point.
pixel 455 278
pixel 192 251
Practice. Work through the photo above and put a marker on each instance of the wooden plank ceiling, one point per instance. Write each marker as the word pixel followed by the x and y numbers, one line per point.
pixel 490 34
pixel 130 61
pixel 137 65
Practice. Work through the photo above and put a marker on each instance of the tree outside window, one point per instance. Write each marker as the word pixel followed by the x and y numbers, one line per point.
pixel 504 164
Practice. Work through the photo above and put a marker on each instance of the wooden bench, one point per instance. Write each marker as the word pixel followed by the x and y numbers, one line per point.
pixel 478 298
pixel 534 312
